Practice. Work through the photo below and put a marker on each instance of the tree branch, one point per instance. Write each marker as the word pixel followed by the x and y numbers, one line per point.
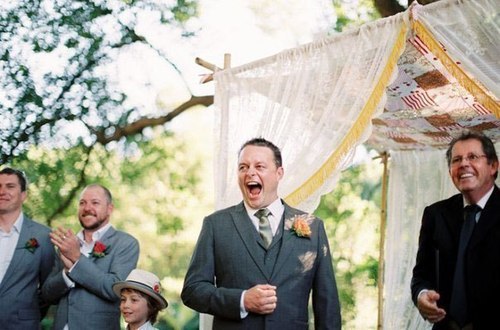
pixel 71 196
pixel 138 125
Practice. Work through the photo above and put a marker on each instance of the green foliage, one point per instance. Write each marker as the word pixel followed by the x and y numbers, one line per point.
pixel 55 60
pixel 353 13
pixel 352 215
pixel 156 191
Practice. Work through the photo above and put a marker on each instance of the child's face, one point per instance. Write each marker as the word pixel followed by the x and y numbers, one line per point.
pixel 134 307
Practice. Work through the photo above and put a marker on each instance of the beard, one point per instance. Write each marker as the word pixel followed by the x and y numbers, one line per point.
pixel 93 226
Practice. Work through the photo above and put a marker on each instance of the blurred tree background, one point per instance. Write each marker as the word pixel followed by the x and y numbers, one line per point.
pixel 90 91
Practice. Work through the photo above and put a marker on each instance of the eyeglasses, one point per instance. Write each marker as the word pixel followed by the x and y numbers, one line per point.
pixel 471 158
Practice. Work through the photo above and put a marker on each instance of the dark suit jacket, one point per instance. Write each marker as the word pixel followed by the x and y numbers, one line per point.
pixel 437 253
pixel 92 304
pixel 20 304
pixel 230 250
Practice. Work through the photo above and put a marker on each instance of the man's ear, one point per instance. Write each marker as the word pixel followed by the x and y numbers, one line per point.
pixel 280 172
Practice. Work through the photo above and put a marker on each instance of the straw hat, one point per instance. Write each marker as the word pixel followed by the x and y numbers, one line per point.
pixel 143 281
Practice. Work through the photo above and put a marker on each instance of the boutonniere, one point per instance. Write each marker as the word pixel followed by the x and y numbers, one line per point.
pixel 300 224
pixel 31 245
pixel 99 251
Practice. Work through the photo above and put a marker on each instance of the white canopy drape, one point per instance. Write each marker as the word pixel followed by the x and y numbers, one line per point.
pixel 314 102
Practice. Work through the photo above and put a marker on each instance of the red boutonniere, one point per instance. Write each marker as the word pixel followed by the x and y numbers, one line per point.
pixel 31 245
pixel 300 224
pixel 99 251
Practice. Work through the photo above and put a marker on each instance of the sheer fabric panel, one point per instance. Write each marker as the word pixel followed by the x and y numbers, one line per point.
pixel 305 100
pixel 470 32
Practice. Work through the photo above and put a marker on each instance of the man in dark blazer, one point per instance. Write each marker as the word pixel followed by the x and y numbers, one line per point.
pixel 26 257
pixel 473 167
pixel 90 262
pixel 249 280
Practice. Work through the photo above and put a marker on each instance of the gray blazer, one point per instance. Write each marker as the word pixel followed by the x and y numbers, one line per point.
pixel 20 304
pixel 229 258
pixel 92 304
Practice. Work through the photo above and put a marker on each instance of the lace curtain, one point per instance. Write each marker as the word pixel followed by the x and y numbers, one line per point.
pixel 315 102
pixel 416 179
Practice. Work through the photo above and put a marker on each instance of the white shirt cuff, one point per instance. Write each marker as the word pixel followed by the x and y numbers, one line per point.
pixel 243 312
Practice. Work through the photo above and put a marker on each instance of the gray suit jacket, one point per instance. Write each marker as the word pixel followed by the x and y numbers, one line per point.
pixel 229 258
pixel 92 304
pixel 20 304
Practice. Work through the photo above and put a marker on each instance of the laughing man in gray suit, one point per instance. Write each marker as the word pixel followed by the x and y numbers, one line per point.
pixel 26 257
pixel 256 269
pixel 90 263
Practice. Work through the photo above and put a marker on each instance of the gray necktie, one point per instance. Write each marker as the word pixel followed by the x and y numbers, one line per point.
pixel 264 226
pixel 458 303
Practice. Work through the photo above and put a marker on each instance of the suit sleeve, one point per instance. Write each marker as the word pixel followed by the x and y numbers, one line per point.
pixel 325 297
pixel 424 272
pixel 54 287
pixel 87 274
pixel 100 282
pixel 47 263
pixel 199 291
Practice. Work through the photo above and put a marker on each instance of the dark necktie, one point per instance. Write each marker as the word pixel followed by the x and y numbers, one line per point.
pixel 458 303
pixel 264 226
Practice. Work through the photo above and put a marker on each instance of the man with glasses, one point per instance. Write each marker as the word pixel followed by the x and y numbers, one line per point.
pixel 456 279
pixel 26 257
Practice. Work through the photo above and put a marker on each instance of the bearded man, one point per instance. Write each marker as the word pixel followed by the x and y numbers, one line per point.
pixel 89 263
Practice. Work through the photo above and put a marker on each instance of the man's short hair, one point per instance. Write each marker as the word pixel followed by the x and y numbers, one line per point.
pixel 107 193
pixel 261 142
pixel 23 182
pixel 486 143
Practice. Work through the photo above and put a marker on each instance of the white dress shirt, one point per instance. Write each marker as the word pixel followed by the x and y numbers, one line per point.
pixel 481 203
pixel 8 244
pixel 145 326
pixel 276 208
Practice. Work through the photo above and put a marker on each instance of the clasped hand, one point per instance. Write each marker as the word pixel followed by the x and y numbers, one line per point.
pixel 261 299
pixel 68 245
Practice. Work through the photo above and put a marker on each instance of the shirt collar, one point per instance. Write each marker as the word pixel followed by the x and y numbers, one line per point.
pixel 276 208
pixel 482 202
pixel 18 224
pixel 145 326
pixel 96 235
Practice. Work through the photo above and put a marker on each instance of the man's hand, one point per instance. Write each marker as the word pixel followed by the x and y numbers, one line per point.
pixel 261 299
pixel 67 243
pixel 427 305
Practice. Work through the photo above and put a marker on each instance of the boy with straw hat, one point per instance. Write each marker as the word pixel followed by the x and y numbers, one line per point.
pixel 140 299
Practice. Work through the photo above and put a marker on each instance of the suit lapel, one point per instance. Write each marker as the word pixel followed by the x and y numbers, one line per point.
pixel 20 253
pixel 288 241
pixel 488 219
pixel 454 217
pixel 249 236
pixel 105 239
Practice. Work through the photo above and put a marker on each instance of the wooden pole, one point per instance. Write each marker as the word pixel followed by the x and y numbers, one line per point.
pixel 227 61
pixel 383 221
pixel 212 67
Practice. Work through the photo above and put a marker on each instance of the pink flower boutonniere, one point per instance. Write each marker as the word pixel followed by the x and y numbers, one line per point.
pixel 99 251
pixel 300 224
pixel 31 245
